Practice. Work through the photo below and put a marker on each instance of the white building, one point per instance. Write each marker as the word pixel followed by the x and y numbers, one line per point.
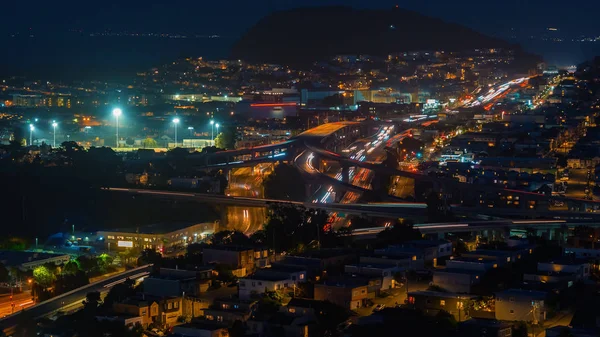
pixel 270 279
pixel 521 305
pixel 457 280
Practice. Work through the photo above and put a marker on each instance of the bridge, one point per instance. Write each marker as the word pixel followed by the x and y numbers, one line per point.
pixel 384 210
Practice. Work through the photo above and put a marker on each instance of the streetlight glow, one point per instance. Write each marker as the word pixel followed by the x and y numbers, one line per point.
pixel 31 128
pixel 212 130
pixel 117 112
pixel 175 123
pixel 54 125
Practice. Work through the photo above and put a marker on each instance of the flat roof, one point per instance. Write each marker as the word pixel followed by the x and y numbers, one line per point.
pixel 523 292
pixel 459 271
pixel 15 258
pixel 440 294
pixel 267 275
pixel 373 265
pixel 159 228
pixel 325 130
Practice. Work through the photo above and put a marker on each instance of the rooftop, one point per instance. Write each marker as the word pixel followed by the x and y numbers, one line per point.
pixel 347 281
pixel 441 294
pixel 523 292
pixel 459 271
pixel 15 258
pixel 159 228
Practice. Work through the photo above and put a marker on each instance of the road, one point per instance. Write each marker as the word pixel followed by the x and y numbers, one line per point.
pixel 247 182
pixel 70 299
pixel 20 301
pixel 578 183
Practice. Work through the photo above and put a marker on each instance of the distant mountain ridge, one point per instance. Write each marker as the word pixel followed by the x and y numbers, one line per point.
pixel 309 34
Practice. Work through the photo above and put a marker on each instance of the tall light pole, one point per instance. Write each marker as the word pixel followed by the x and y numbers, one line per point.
pixel 117 112
pixel 175 123
pixel 31 128
pixel 217 126
pixel 191 128
pixel 54 125
pixel 212 130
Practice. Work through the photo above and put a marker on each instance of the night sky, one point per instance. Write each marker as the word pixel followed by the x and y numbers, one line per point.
pixel 232 17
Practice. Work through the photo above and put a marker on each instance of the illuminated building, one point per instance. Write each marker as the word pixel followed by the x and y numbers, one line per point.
pixel 28 101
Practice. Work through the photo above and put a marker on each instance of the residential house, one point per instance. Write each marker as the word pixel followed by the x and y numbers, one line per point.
pixel 346 291
pixel 457 280
pixel 403 259
pixel 229 310
pixel 277 278
pixel 521 305
pixel 242 259
pixel 175 282
pixel 148 310
pixel 471 263
pixel 579 268
pixel 431 302
pixel 384 271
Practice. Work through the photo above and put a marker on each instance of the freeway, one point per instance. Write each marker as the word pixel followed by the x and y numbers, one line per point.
pixel 389 210
pixel 473 226
pixel 58 303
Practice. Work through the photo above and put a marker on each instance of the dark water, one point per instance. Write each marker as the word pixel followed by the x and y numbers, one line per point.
pixel 72 56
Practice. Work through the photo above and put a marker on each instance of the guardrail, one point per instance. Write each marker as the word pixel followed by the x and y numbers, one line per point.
pixel 76 290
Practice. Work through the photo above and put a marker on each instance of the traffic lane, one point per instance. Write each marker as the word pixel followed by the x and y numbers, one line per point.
pixel 246 219
pixel 56 303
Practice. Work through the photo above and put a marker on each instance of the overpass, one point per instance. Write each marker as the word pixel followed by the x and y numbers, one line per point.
pixel 478 226
pixel 57 303
pixel 385 210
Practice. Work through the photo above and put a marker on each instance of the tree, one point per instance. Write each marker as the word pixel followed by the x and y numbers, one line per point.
pixel 149 256
pixel 71 267
pixel 285 183
pixel 18 140
pixel 129 141
pixel 149 143
pixel 227 138
pixel 230 238
pixel 43 276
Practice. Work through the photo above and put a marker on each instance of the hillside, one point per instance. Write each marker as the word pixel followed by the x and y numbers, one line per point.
pixel 308 34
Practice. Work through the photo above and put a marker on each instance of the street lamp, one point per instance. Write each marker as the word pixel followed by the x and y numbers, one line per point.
pixel 31 128
pixel 212 131
pixel 217 125
pixel 117 112
pixel 191 128
pixel 54 125
pixel 175 123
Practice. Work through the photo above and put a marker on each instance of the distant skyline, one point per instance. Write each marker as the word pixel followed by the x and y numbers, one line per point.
pixel 233 17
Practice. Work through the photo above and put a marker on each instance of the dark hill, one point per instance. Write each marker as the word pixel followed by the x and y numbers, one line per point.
pixel 308 34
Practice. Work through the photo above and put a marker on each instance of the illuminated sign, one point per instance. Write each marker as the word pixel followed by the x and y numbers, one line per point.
pixel 128 244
